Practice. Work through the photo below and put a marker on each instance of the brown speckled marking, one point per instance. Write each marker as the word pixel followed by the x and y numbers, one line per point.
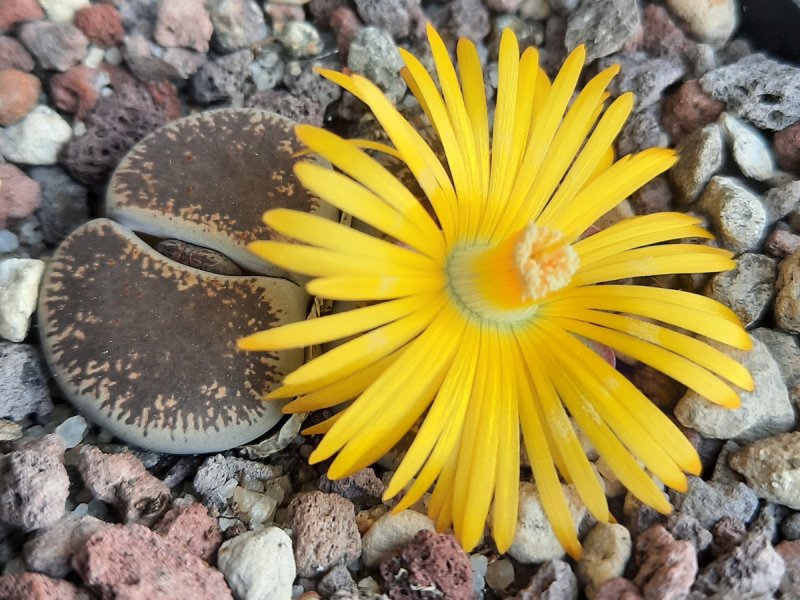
pixel 146 347
pixel 208 178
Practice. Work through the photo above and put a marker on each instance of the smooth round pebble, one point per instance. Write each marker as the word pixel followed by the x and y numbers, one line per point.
pixel 390 532
pixel 606 551
pixel 711 21
pixel 258 564
pixel 72 431
pixel 500 574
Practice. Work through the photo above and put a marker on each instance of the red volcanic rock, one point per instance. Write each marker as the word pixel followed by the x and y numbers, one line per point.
pixel 76 91
pixel 19 92
pixel 19 194
pixel 689 108
pixel 33 586
pixel 15 11
pixel 786 144
pixel 191 528
pixel 101 23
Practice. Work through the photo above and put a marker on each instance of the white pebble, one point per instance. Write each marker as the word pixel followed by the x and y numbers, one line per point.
pixel 8 241
pixel 258 564
pixel 750 149
pixel 37 139
pixel 19 292
pixel 114 56
pixel 712 21
pixel 62 11
pixel 606 551
pixel 94 57
pixel 390 532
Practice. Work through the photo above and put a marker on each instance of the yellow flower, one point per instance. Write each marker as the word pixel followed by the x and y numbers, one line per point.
pixel 475 332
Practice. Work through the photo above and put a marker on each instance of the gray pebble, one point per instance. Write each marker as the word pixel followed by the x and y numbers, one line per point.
pixel 221 78
pixel 24 382
pixel 708 502
pixel 783 348
pixel 702 156
pixel 603 25
pixel 748 289
pixel 644 76
pixel 301 80
pixel 762 90
pixel 642 130
pixel 723 473
pixel 148 61
pixel 468 18
pixel 300 39
pixel 237 24
pixel 8 241
pixel 529 33
pixel 56 46
pixel 374 54
pixel 390 15
pixel 267 68
pixel 770 468
pixel 72 431
pixel 765 411
pixel 65 203
pixel 781 200
pixel 683 526
pixel 790 528
pixel 553 581
pixel 736 214
pixel 33 489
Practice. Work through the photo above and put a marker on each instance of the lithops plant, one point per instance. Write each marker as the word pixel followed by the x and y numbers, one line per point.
pixel 145 345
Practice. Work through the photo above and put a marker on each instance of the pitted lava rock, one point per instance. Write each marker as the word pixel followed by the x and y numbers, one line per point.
pixel 432 566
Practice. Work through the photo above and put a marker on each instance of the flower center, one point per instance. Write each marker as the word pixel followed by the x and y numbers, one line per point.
pixel 506 282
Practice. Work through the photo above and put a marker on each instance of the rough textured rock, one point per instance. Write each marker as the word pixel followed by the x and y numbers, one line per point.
pixel 702 155
pixel 19 292
pixel 183 24
pixel 390 532
pixel 360 487
pixel 535 540
pixel 789 551
pixel 787 302
pixel 781 242
pixel 14 56
pixel 553 581
pixel 33 489
pixel 101 24
pixel 37 138
pixel 221 78
pixel 55 46
pixel 736 214
pixel 118 122
pixel 325 532
pixel 646 77
pixel 468 18
pixel 689 109
pixel 683 526
pixel 33 586
pixel 218 470
pixel 433 565
pixel 781 200
pixel 618 589
pixel 667 567
pixel 604 26
pixel 65 203
pixel 708 502
pixel 161 569
pixel 390 15
pixel 764 91
pixel 259 564
pixel 748 289
pixel 786 145
pixel 122 480
pixel 19 92
pixel 606 550
pixel 237 24
pixel 192 529
pixel 299 109
pixel 23 380
pixel 16 11
pixel 722 470
pixel 50 552
pixel 374 54
pixel 771 467
pixel 149 61
pixel 784 350
pixel 642 130
pixel 764 411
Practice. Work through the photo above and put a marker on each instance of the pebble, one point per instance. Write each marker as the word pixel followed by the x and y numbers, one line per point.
pixel 736 214
pixel 722 470
pixel 300 39
pixel 23 381
pixel 683 526
pixel 19 293
pixel 160 570
pixel 710 501
pixel 432 561
pixel 751 569
pixel 786 147
pixel 554 580
pixel 764 91
pixel 338 583
pixel 661 36
pixel 37 138
pixel 14 56
pixel 302 81
pixel 65 204
pixel 72 430
pixel 790 528
pixel 604 26
pixel 62 11
pixel 787 302
pixel 374 54
pixel 51 550
pixel 217 471
pixel 391 532
pixel 702 155
pixel 480 566
pixel 618 588
pixel 20 195
pixel 748 289
pixel 259 564
pixel 468 18
pixel 34 586
pixel 667 566
pixel 643 130
pixel 183 24
pixel 77 91
pixel 500 574
pixel 606 550
pixel 749 148
pixel 237 24
pixel 391 16
pixel 221 78
pixel 325 532
pixel 33 489
pixel 345 24
pixel 781 200
pixel 362 487
pixel 765 411
pixel 783 348
pixel 149 61
pixel 646 77
pixel 8 241
pixel 101 24
pixel 535 540
pixel 535 10
pixel 781 242
pixel 770 467
pixel 122 481
pixel 267 68
pixel 19 93
pixel 711 21
pixel 55 46
pixel 16 11
pixel 789 551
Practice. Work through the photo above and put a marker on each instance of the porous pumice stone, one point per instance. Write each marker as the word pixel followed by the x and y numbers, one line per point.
pixel 208 178
pixel 146 347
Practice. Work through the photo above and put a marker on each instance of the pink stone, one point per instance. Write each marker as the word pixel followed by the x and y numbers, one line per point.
pixel 101 23
pixel 19 194
pixel 786 144
pixel 132 562
pixel 14 56
pixel 50 551
pixel 345 24
pixel 183 24
pixel 19 92
pixel 668 566
pixel 165 96
pixel 688 109
pixel 790 553
pixel 33 586
pixel 191 528
pixel 618 588
pixel 33 490
pixel 76 91
pixel 122 480
pixel 15 11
